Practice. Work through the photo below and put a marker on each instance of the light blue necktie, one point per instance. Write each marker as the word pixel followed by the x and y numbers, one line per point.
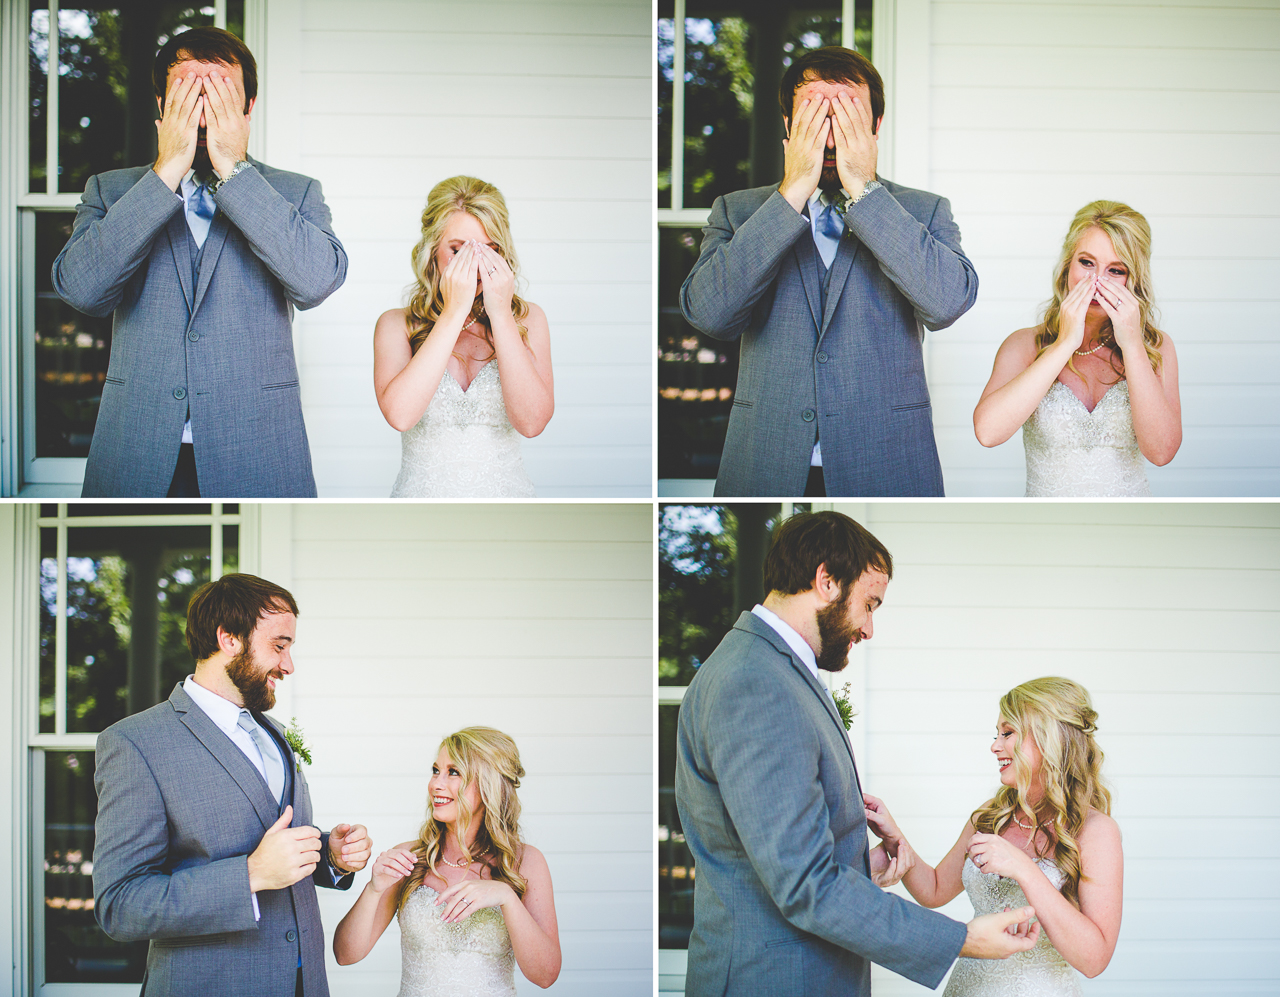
pixel 200 211
pixel 271 764
pixel 830 227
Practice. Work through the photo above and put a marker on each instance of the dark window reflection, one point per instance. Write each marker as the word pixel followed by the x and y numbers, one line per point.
pixel 710 561
pixel 71 353
pixel 696 374
pixel 38 94
pixel 127 594
pixel 76 949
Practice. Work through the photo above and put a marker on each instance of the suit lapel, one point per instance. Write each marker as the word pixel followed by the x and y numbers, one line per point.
pixel 753 624
pixel 805 253
pixel 274 728
pixel 177 232
pixel 209 260
pixel 847 252
pixel 228 756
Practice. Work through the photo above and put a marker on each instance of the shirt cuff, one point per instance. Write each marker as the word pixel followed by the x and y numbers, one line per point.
pixel 257 915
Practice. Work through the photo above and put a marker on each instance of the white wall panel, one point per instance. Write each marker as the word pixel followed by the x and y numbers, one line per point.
pixel 537 619
pixel 1169 614
pixel 1037 107
pixel 553 105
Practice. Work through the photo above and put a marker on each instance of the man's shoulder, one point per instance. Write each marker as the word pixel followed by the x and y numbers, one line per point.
pixel 910 197
pixel 140 728
pixel 117 181
pixel 742 203
pixel 282 180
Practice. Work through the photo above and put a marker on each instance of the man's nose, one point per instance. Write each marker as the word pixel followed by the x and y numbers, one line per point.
pixel 286 663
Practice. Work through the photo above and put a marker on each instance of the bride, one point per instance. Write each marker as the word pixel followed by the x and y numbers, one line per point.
pixel 472 898
pixel 1087 415
pixel 466 365
pixel 1045 840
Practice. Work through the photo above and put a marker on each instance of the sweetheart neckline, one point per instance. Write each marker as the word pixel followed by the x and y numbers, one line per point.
pixel 1088 411
pixel 472 381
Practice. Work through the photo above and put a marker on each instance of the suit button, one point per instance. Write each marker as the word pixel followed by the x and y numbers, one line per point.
pixel 179 393
pixel 290 936
pixel 807 415
pixel 193 336
pixel 822 358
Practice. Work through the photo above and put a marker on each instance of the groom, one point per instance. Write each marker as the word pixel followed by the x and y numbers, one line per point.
pixel 770 801
pixel 201 258
pixel 204 838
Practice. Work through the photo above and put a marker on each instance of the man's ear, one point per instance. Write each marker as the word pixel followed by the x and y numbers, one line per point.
pixel 252 101
pixel 227 643
pixel 876 131
pixel 826 587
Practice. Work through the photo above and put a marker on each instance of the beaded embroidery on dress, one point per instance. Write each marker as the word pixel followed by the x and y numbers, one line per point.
pixel 1040 972
pixel 471 958
pixel 1074 452
pixel 464 446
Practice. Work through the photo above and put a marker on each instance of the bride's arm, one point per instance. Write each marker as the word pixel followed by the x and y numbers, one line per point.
pixel 1019 380
pixel 523 367
pixel 531 920
pixel 1086 937
pixel 373 910
pixel 934 887
pixel 405 381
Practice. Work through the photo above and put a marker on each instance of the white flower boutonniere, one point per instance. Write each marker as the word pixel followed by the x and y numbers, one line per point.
pixel 847 712
pixel 293 735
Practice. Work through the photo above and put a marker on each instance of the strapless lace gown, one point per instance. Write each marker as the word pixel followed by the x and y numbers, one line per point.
pixel 472 958
pixel 464 446
pixel 1072 452
pixel 1039 972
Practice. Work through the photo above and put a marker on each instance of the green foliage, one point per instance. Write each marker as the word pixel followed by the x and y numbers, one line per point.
pixel 847 712
pixel 296 740
pixel 697 550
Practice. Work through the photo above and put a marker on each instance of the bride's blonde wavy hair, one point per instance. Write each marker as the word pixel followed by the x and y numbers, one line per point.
pixel 1130 237
pixel 1057 714
pixel 489 759
pixel 485 204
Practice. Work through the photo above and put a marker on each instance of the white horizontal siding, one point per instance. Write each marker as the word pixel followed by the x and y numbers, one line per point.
pixel 1169 614
pixel 553 105
pixel 1035 108
pixel 536 619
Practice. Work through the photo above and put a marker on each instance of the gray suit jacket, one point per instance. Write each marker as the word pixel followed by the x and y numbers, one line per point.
pixel 772 811
pixel 850 373
pixel 180 808
pixel 219 343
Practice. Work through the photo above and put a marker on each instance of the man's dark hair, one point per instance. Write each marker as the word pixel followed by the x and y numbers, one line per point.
pixel 809 539
pixel 235 603
pixel 205 45
pixel 838 65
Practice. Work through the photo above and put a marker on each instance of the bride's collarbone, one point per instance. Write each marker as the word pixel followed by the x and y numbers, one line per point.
pixel 1091 388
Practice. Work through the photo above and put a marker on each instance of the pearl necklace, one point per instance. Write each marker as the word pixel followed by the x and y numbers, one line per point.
pixel 1089 353
pixel 1025 827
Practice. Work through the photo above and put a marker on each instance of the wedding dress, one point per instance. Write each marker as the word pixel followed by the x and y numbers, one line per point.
pixel 464 446
pixel 1072 452
pixel 471 958
pixel 1039 972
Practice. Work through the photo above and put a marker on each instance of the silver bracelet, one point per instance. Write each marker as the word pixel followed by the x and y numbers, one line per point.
pixel 867 190
pixel 244 164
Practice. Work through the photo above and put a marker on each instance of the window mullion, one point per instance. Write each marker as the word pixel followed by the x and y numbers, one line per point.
pixel 847 25
pixel 215 543
pixel 220 14
pixel 677 110
pixel 51 102
pixel 60 630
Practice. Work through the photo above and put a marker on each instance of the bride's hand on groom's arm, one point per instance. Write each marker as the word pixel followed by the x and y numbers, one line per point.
pixel 349 847
pixel 880 820
pixel 886 869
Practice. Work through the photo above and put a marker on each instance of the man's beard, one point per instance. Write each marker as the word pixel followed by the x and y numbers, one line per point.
pixel 202 164
pixel 830 179
pixel 836 633
pixel 245 675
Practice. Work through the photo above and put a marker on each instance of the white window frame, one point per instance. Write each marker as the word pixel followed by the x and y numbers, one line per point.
pixel 21 472
pixel 29 779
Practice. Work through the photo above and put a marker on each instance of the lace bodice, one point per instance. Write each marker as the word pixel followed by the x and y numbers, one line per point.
pixel 1040 972
pixel 464 446
pixel 472 958
pixel 1072 452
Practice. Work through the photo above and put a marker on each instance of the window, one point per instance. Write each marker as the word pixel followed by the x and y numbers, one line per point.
pixel 710 559
pixel 719 130
pixel 90 107
pixel 112 586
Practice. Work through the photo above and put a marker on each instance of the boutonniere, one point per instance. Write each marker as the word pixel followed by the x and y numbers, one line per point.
pixel 847 712
pixel 293 735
